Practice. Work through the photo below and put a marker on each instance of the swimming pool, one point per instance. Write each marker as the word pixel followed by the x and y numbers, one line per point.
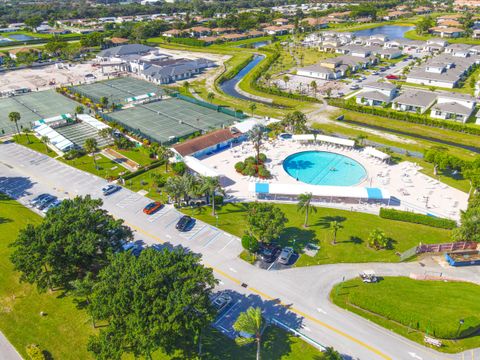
pixel 324 168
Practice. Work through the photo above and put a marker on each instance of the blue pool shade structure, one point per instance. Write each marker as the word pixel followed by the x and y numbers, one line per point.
pixel 351 192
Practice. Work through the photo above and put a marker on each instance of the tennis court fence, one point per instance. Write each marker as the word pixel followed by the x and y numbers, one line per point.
pixel 236 114
pixel 76 90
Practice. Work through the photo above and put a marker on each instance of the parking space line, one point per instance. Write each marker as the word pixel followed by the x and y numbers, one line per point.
pixel 223 248
pixel 211 240
pixel 227 312
pixel 171 222
pixel 158 215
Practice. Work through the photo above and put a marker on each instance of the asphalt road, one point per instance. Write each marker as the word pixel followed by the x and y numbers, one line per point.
pixel 296 297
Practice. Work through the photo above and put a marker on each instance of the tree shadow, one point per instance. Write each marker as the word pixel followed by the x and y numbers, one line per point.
pixel 325 222
pixel 47 355
pixel 15 187
pixel 4 220
pixel 297 238
pixel 352 240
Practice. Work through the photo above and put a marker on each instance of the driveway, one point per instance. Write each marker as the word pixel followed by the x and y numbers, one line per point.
pixel 297 296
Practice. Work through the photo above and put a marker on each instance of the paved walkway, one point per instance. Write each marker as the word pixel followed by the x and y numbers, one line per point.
pixel 7 351
pixel 298 297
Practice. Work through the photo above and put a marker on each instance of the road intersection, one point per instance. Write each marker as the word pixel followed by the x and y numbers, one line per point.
pixel 297 297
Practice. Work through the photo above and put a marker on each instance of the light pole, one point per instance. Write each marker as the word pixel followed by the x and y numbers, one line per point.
pixel 460 323
pixel 216 220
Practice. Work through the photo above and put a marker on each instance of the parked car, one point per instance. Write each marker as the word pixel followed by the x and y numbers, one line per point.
pixel 221 302
pixel 51 205
pixel 392 77
pixel 354 87
pixel 268 253
pixel 110 189
pixel 42 204
pixel 285 255
pixel 37 199
pixel 184 223
pixel 375 73
pixel 152 207
pixel 134 248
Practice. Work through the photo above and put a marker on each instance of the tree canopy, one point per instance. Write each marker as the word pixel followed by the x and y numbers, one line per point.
pixel 265 221
pixel 156 301
pixel 74 239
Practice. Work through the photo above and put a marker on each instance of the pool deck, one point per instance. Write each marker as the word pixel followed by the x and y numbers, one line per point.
pixel 410 188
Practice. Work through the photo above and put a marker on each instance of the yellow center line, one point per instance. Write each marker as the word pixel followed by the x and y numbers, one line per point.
pixel 266 296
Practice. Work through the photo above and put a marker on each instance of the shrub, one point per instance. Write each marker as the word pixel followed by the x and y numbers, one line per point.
pixel 123 143
pixel 250 160
pixel 34 352
pixel 249 243
pixel 218 200
pixel 179 168
pixel 262 157
pixel 73 154
pixel 411 217
pixel 239 166
pixel 263 172
pixel 250 170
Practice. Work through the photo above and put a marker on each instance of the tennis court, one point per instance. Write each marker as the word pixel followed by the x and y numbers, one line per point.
pixel 162 120
pixel 117 90
pixel 33 106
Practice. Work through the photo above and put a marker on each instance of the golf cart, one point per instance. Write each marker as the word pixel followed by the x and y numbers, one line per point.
pixel 368 276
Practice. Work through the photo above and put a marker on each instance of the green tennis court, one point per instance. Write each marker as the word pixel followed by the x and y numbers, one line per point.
pixel 171 118
pixel 117 90
pixel 33 106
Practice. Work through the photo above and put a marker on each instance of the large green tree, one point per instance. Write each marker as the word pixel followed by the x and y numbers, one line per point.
pixel 295 122
pixel 158 301
pixel 265 221
pixel 469 230
pixel 74 239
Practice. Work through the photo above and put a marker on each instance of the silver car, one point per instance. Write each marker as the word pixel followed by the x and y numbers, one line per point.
pixel 285 255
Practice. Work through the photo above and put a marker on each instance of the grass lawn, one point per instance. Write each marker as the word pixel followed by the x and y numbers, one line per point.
pixel 414 129
pixel 34 144
pixel 144 182
pixel 139 155
pixel 64 331
pixel 352 239
pixel 413 308
pixel 105 167
pixel 412 34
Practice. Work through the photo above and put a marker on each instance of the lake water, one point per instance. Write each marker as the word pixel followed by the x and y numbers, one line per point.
pixel 392 31
pixel 20 37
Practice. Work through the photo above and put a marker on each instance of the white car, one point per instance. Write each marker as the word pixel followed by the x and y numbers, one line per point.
pixel 354 87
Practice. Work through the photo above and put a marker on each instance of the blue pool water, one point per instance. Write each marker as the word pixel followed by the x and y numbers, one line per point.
pixel 324 168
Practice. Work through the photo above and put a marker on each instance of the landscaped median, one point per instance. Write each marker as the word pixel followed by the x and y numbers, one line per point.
pixel 448 311
pixel 352 243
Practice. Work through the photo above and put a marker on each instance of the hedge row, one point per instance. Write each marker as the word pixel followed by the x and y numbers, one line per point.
pixel 411 217
pixel 144 169
pixel 404 116
pixel 187 41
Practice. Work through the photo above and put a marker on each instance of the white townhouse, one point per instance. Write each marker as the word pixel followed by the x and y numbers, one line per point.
pixel 376 94
pixel 453 106
pixel 414 101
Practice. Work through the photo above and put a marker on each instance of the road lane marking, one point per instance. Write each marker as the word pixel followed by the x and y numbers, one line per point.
pixel 233 270
pixel 415 356
pixel 223 248
pixel 321 311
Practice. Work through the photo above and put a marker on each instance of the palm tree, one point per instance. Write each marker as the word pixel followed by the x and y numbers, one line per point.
pixel 252 107
pixel 174 187
pixel 314 86
pixel 91 147
pixel 305 205
pixel 45 140
pixel 255 135
pixel 210 96
pixel 104 102
pixel 106 133
pixel 250 322
pixel 165 154
pixel 79 110
pixel 186 86
pixel 335 226
pixel 26 131
pixel 15 117
pixel 286 79
pixel 211 185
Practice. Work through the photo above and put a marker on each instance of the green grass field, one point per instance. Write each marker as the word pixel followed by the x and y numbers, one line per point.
pixel 352 239
pixel 412 34
pixel 105 167
pixel 139 155
pixel 413 308
pixel 63 333
pixel 34 144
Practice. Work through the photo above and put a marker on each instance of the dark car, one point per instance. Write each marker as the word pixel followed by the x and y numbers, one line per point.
pixel 42 204
pixel 268 253
pixel 184 223
pixel 110 189
pixel 38 199
pixel 152 207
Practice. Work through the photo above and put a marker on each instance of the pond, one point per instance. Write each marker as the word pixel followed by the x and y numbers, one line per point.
pixel 257 45
pixel 392 31
pixel 20 37
pixel 228 86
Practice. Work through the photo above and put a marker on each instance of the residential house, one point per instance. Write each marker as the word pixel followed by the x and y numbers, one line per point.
pixel 476 34
pixel 280 21
pixel 279 30
pixel 453 106
pixel 318 71
pixel 15 52
pixel 376 94
pixel 118 52
pixel 446 32
pixel 354 50
pixel 198 31
pixel 392 15
pixel 458 50
pixel 414 101
pixel 174 33
pixel 387 54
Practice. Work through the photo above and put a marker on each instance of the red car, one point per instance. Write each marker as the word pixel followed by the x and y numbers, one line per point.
pixel 392 77
pixel 152 207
